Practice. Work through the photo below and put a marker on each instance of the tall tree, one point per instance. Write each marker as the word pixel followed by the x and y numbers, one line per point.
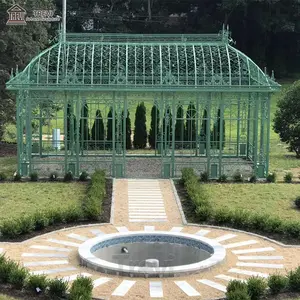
pixel 70 118
pixel 127 130
pixel 179 128
pixel 154 127
pixel 109 134
pixel 140 130
pixel 84 127
pixel 190 133
pixel 98 130
pixel 167 125
pixel 216 133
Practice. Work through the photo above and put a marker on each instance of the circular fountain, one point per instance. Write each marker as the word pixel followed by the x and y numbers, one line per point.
pixel 151 254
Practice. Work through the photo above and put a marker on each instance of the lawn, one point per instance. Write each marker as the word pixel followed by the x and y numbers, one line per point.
pixel 272 199
pixel 18 199
pixel 8 165
pixel 3 297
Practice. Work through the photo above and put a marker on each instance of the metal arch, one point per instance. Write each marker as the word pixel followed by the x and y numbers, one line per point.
pixel 239 64
pixel 135 60
pixel 229 66
pixel 220 61
pixel 48 63
pixel 58 61
pixel 75 60
pixel 195 65
pixel 109 64
pixel 67 60
pixel 92 66
pixel 160 63
pixel 38 71
pixel 212 61
pixel 152 59
pixel 178 65
pixel 83 64
pixel 186 66
pixel 144 65
pixel 126 64
pixel 204 65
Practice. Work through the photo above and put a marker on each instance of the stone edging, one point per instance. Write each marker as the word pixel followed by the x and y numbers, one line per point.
pixel 184 221
pixel 112 208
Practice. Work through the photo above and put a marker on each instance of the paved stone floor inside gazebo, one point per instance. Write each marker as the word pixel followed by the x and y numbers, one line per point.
pixel 55 253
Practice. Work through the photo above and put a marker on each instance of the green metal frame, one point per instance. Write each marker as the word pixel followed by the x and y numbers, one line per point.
pixel 119 70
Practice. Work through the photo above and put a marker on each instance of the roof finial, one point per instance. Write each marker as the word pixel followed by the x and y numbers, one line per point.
pixel 273 75
pixel 17 70
pixel 12 73
pixel 265 70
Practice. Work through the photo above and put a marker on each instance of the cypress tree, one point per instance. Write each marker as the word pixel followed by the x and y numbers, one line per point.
pixel 179 127
pixel 203 128
pixel 154 127
pixel 70 115
pixel 109 136
pixel 98 129
pixel 216 133
pixel 190 134
pixel 140 130
pixel 84 127
pixel 167 126
pixel 128 130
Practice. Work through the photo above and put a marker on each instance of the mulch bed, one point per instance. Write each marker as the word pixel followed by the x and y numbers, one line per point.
pixel 189 211
pixel 8 149
pixel 104 218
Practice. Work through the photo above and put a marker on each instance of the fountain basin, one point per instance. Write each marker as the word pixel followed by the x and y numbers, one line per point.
pixel 175 254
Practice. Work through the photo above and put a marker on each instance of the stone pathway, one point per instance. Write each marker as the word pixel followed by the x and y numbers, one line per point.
pixel 56 254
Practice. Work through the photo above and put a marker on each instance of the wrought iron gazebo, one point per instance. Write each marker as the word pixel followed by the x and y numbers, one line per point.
pixel 222 95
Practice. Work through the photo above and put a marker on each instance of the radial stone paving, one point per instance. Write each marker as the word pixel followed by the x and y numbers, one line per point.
pixel 56 254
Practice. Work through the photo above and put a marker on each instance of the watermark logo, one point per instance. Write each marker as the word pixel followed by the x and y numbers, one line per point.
pixel 17 16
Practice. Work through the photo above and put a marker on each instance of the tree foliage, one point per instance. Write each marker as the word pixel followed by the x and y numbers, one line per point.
pixel 98 130
pixel 154 126
pixel 167 125
pixel 216 133
pixel 127 130
pixel 140 130
pixel 84 130
pixel 203 130
pixel 287 118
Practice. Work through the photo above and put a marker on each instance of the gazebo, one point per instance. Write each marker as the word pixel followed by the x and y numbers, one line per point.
pixel 211 106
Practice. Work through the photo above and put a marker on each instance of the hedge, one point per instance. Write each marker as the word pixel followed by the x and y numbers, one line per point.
pixel 235 218
pixel 91 209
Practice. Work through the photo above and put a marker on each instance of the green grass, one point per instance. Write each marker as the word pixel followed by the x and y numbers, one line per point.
pixel 272 199
pixel 3 297
pixel 17 199
pixel 8 165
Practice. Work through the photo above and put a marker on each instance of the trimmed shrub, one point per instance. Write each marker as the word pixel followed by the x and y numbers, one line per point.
pixel 294 280
pixel 288 177
pixel 6 268
pixel 236 285
pixel 277 283
pixel 55 216
pixel 238 295
pixel 204 177
pixel 83 176
pixel 57 288
pixel 222 216
pixel 17 276
pixel 35 282
pixel 187 174
pixel 10 228
pixel 40 221
pixel 68 177
pixel 223 178
pixel 253 179
pixel 259 221
pixel 297 202
pixel 203 213
pixel 238 177
pixel 241 218
pixel 3 177
pixel 81 288
pixel 27 224
pixel 53 176
pixel 17 176
pixel 273 225
pixel 34 176
pixel 256 288
pixel 292 229
pixel 271 177
pixel 72 214
pixel 92 206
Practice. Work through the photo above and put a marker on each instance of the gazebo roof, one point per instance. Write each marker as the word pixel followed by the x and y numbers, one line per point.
pixel 143 62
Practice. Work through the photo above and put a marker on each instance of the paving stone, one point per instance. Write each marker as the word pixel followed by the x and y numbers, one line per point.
pixel 149 228
pixel 213 284
pixel 248 273
pixel 97 232
pixel 225 237
pixel 176 229
pixel 240 244
pixel 229 278
pixel 45 263
pixel 123 288
pixel 256 250
pixel 75 276
pixel 52 271
pixel 202 232
pixel 50 248
pixel 122 229
pixel 56 255
pixel 156 289
pixel 100 281
pixel 77 237
pixel 260 257
pixel 187 288
pixel 258 265
pixel 65 243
